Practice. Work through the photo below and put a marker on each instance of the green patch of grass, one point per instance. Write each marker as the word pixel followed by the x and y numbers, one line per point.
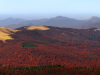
pixel 34 67
pixel 28 45
pixel 50 66
pixel 40 43
pixel 39 68
pixel 90 58
pixel 4 68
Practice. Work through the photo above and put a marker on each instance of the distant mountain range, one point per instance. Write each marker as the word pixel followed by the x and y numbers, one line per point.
pixel 10 20
pixel 92 22
pixel 58 21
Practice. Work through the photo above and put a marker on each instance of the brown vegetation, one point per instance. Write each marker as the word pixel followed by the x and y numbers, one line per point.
pixel 63 46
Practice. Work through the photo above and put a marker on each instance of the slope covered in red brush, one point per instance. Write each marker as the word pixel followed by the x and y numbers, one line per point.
pixel 65 46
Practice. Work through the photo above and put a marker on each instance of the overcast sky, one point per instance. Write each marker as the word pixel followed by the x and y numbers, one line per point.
pixel 37 9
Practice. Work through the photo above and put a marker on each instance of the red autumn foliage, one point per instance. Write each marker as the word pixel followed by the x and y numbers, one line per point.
pixel 65 46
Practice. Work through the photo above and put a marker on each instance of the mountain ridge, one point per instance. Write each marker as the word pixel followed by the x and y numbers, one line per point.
pixel 59 21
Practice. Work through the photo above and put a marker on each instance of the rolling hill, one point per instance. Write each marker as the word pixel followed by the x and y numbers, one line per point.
pixel 47 45
pixel 5 33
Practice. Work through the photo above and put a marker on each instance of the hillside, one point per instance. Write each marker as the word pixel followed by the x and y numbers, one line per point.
pixel 47 45
pixel 5 33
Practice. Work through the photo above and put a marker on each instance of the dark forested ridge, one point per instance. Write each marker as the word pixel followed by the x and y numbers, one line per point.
pixel 64 46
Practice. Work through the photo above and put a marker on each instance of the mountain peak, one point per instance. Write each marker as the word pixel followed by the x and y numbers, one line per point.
pixel 60 17
pixel 94 17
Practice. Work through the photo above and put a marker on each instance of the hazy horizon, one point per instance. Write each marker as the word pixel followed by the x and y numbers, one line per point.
pixel 36 9
pixel 30 17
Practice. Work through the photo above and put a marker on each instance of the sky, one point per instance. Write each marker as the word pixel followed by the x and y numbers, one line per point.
pixel 38 9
